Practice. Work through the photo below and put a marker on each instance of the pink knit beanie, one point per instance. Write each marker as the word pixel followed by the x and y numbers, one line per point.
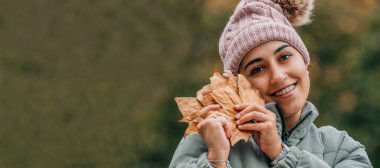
pixel 255 22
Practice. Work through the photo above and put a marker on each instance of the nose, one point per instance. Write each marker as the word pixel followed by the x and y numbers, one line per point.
pixel 278 76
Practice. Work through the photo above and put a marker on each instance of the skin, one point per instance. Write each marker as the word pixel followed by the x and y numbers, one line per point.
pixel 215 132
pixel 269 67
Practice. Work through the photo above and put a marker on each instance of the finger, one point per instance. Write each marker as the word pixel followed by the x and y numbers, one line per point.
pixel 227 126
pixel 262 109
pixel 242 106
pixel 260 127
pixel 200 125
pixel 253 115
pixel 255 106
pixel 225 121
pixel 209 119
pixel 247 107
pixel 209 108
pixel 246 110
pixel 217 113
pixel 215 117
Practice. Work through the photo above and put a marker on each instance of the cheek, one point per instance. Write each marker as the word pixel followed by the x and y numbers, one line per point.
pixel 303 74
pixel 298 69
pixel 306 82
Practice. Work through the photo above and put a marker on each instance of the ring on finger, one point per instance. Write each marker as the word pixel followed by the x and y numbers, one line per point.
pixel 262 116
pixel 214 116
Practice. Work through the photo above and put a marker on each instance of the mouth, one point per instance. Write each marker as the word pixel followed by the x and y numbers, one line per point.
pixel 284 92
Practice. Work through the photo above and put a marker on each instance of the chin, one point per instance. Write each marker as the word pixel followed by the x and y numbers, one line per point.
pixel 290 109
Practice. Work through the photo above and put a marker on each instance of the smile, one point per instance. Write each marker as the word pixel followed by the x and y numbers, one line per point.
pixel 285 90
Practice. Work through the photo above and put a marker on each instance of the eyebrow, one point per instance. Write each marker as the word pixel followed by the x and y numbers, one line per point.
pixel 251 62
pixel 260 59
pixel 280 48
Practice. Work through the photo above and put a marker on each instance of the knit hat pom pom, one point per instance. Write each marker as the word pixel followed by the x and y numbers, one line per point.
pixel 298 12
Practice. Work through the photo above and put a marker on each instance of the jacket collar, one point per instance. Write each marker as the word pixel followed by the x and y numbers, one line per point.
pixel 308 115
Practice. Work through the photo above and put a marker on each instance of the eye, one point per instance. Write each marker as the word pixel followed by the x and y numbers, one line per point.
pixel 285 56
pixel 256 70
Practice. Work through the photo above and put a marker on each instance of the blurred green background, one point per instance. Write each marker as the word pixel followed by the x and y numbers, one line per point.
pixel 91 84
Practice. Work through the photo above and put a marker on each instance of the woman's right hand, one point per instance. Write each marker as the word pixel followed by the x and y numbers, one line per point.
pixel 215 131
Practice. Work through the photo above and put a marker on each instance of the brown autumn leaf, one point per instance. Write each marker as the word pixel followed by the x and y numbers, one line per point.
pixel 189 107
pixel 225 90
pixel 204 96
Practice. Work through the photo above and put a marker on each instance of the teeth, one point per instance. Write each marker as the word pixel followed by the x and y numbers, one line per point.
pixel 285 90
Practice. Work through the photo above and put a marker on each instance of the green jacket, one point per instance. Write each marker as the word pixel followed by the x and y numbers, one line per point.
pixel 309 147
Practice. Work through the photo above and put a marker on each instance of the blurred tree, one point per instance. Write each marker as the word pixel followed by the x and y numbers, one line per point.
pixel 92 83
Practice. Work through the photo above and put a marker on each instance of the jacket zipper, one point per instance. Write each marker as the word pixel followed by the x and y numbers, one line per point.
pixel 285 135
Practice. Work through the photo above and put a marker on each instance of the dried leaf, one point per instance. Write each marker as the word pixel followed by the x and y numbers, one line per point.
pixel 223 93
pixel 189 107
pixel 225 90
pixel 204 96
pixel 247 93
pixel 231 80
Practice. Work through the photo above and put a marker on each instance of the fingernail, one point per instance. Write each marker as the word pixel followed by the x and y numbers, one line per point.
pixel 237 106
pixel 237 122
pixel 237 116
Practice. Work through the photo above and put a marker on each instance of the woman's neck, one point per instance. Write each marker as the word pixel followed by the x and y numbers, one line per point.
pixel 291 121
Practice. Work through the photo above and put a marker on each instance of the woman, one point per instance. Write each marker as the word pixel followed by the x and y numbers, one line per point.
pixel 260 43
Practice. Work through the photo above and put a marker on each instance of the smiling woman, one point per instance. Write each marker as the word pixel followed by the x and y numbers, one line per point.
pixel 259 42
pixel 279 72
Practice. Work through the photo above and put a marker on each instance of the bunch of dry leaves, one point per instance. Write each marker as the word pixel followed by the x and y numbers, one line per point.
pixel 226 90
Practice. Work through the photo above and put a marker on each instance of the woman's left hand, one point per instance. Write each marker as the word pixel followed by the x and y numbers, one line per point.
pixel 264 129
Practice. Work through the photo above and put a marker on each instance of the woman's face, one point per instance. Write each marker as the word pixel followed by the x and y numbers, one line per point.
pixel 280 74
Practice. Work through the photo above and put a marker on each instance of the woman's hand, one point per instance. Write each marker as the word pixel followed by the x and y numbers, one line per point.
pixel 215 131
pixel 262 122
